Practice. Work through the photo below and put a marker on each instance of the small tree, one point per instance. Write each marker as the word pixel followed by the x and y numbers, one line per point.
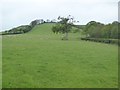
pixel 33 23
pixel 63 26
pixel 47 20
pixel 41 21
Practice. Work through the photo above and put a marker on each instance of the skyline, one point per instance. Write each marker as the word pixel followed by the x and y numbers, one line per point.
pixel 21 12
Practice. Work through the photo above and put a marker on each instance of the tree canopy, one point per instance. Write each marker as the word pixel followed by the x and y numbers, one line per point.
pixel 98 30
pixel 63 26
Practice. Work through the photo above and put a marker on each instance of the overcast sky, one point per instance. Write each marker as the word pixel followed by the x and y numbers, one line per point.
pixel 20 12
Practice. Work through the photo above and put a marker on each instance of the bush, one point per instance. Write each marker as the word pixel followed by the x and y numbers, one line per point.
pixel 99 30
pixel 109 41
pixel 18 30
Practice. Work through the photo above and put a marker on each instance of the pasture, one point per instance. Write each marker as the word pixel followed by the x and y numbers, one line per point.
pixel 40 59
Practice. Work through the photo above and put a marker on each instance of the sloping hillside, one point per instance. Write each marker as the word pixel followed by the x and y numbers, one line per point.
pixel 40 59
pixel 45 31
pixel 42 29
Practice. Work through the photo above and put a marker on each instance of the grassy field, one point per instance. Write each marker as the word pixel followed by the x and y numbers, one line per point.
pixel 40 59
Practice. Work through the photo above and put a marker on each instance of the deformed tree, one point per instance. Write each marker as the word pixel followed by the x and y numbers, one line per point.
pixel 64 25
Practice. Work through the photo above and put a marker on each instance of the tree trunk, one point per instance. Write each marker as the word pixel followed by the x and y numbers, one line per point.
pixel 65 36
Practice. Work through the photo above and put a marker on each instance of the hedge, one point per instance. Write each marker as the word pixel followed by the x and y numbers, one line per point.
pixel 108 41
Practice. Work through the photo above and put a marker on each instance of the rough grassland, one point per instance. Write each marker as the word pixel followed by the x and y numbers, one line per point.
pixel 40 59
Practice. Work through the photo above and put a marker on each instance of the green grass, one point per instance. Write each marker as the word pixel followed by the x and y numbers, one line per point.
pixel 40 59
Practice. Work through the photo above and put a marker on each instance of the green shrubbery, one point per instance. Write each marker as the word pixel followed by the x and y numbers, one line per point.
pixel 98 30
pixel 22 29
pixel 102 40
pixel 18 30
